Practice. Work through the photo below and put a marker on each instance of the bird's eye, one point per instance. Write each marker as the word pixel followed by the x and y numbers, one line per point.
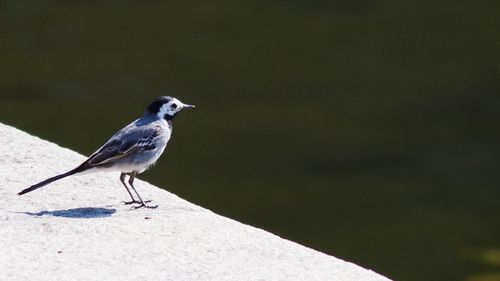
pixel 173 106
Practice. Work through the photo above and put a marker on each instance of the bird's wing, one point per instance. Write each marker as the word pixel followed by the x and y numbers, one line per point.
pixel 128 141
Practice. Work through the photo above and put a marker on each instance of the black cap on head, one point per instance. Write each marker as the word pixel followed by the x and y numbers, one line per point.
pixel 156 104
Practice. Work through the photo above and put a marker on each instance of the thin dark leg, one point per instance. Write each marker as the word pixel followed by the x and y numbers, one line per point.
pixel 143 204
pixel 122 179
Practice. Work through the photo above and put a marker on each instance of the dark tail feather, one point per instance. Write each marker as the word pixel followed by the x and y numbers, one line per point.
pixel 52 179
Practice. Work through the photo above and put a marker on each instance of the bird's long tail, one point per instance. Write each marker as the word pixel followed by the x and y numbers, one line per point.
pixel 52 179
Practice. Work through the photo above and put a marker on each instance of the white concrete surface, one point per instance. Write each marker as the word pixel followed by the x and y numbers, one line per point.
pixel 76 229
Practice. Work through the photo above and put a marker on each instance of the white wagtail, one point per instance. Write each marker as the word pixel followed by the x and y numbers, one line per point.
pixel 133 149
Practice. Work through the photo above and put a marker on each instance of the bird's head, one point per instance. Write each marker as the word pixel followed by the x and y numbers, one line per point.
pixel 166 107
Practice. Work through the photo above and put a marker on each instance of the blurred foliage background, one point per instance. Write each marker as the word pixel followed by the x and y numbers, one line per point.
pixel 368 130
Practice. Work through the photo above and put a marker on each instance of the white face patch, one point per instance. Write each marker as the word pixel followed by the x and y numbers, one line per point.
pixel 170 108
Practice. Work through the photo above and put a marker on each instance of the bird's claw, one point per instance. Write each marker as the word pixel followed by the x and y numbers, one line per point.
pixel 145 206
pixel 135 202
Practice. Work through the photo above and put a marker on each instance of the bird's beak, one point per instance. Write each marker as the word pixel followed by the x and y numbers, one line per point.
pixel 188 106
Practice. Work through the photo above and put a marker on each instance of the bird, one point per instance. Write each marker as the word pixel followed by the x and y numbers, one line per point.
pixel 131 150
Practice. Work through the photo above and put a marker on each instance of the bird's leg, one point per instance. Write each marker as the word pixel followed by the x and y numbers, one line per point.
pixel 122 179
pixel 143 204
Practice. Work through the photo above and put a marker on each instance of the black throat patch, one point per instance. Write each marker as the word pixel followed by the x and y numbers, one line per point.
pixel 168 117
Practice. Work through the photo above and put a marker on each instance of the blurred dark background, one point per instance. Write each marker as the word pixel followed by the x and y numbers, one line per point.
pixel 368 130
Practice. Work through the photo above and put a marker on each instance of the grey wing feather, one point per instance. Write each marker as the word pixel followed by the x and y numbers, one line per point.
pixel 127 141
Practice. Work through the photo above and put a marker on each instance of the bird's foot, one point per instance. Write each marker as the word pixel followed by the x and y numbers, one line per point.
pixel 135 202
pixel 145 206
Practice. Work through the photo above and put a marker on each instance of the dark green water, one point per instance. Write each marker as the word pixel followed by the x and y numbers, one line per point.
pixel 368 130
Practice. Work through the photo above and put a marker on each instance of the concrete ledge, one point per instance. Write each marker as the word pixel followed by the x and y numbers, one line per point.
pixel 75 229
